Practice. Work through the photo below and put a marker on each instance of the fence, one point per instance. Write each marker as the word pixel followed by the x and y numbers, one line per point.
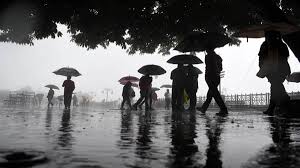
pixel 20 98
pixel 256 100
pixel 248 100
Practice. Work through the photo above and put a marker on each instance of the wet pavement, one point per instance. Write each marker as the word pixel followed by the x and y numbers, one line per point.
pixel 100 138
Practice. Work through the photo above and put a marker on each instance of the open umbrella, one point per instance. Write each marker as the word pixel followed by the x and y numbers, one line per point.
pixel 197 70
pixel 155 89
pixel 67 71
pixel 52 86
pixel 152 70
pixel 198 41
pixel 258 31
pixel 185 59
pixel 129 78
pixel 294 77
pixel 132 84
pixel 166 86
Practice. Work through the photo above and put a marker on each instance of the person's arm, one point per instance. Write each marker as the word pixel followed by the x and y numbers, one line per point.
pixel 63 85
pixel 73 86
pixel 261 53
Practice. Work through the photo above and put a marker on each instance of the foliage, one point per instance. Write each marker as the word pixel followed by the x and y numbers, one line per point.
pixel 144 26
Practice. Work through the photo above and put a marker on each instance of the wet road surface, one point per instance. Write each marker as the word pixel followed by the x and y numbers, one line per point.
pixel 96 138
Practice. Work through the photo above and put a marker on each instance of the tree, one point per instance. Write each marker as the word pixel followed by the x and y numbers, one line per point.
pixel 143 26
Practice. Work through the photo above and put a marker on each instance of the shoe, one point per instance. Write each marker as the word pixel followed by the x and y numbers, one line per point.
pixel 200 109
pixel 269 112
pixel 222 112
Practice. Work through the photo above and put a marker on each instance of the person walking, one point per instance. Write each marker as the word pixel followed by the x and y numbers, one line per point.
pixel 273 63
pixel 69 87
pixel 167 99
pixel 192 86
pixel 75 101
pixel 178 76
pixel 213 68
pixel 145 89
pixel 50 97
pixel 126 94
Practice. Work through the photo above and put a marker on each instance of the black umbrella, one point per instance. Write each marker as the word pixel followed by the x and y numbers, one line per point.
pixel 258 31
pixel 152 70
pixel 166 86
pixel 294 77
pixel 67 71
pixel 185 59
pixel 197 41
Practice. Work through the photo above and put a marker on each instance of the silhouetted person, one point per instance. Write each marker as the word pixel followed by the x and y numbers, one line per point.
pixel 213 67
pixel 126 94
pixel 69 87
pixel 167 99
pixel 178 76
pixel 50 97
pixel 273 62
pixel 192 85
pixel 75 101
pixel 145 88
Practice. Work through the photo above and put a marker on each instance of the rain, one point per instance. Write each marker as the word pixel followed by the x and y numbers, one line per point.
pixel 156 84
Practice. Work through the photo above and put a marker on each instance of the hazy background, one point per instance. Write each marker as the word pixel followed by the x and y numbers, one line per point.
pixel 22 66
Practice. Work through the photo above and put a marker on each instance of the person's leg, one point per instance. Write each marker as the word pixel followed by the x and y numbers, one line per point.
pixel 279 95
pixel 217 96
pixel 66 100
pixel 193 99
pixel 206 103
pixel 174 97
pixel 123 102
pixel 128 102
pixel 147 107
pixel 139 100
pixel 180 92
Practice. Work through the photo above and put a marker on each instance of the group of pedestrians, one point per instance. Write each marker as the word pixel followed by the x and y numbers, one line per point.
pixel 69 87
pixel 273 65
pixel 185 78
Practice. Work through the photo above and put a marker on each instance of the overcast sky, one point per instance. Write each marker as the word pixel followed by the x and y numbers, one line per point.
pixel 101 68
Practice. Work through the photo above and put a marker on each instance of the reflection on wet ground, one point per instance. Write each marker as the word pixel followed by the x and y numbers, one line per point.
pixel 113 138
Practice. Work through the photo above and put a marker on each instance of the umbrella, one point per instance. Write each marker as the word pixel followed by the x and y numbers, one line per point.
pixel 166 86
pixel 258 31
pixel 197 70
pixel 152 70
pixel 155 89
pixel 185 59
pixel 67 71
pixel 52 86
pixel 294 77
pixel 132 84
pixel 129 78
pixel 197 41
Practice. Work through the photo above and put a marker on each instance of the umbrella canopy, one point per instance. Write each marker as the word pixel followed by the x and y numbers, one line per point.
pixel 132 84
pixel 129 78
pixel 197 70
pixel 152 70
pixel 67 71
pixel 52 86
pixel 294 77
pixel 258 31
pixel 185 59
pixel 155 89
pixel 166 86
pixel 197 41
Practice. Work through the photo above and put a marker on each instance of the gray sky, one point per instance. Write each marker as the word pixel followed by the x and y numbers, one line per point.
pixel 22 65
